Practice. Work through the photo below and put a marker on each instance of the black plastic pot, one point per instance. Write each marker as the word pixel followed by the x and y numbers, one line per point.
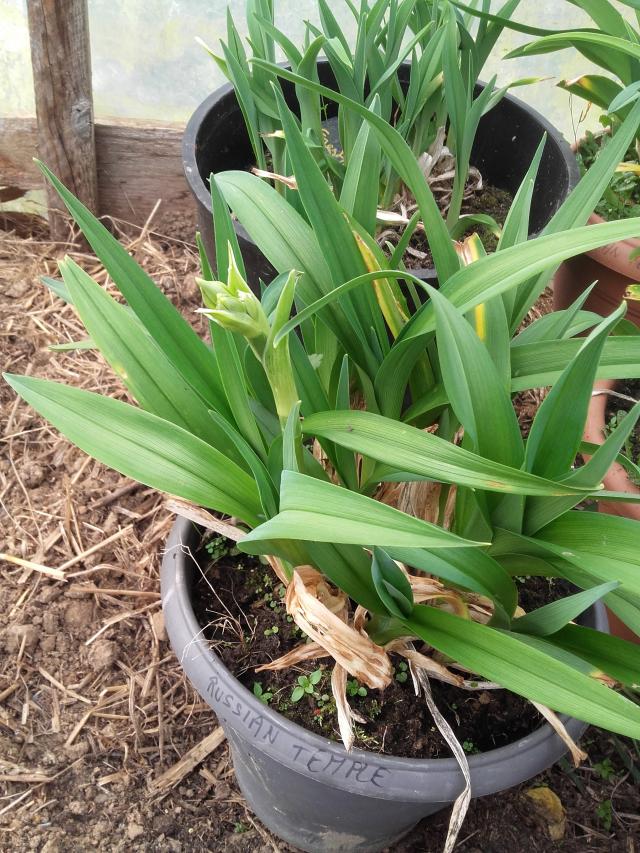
pixel 216 140
pixel 309 790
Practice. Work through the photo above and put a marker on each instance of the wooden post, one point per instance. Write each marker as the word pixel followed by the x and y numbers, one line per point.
pixel 61 60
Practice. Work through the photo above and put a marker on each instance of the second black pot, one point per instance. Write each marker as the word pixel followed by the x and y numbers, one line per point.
pixel 216 140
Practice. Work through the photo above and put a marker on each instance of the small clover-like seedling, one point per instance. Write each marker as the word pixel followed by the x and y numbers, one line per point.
pixel 264 696
pixel 355 689
pixel 605 769
pixel 217 547
pixel 268 632
pixel 306 685
pixel 402 672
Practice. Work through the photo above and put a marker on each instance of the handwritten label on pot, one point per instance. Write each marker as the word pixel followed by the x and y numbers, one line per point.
pixel 314 761
pixel 257 726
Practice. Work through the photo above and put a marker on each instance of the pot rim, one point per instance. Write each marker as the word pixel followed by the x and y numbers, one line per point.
pixel 200 192
pixel 181 619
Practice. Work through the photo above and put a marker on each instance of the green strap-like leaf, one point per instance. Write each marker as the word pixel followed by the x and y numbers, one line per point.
pixel 475 390
pixel 392 585
pixel 470 568
pixel 558 426
pixel 540 364
pixel 525 670
pixel 612 655
pixel 154 382
pixel 408 449
pixel 554 616
pixel 175 337
pixel 144 447
pixel 497 273
pixel 316 511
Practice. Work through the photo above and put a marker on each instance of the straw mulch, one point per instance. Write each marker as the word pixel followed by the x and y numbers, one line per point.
pixel 103 744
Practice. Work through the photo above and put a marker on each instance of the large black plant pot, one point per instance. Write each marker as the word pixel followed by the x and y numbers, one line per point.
pixel 308 790
pixel 216 140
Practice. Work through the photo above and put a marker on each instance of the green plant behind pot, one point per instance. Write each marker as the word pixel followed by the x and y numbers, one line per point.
pixel 212 426
pixel 429 41
pixel 613 44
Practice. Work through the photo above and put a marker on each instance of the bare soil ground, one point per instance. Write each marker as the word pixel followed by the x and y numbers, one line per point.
pixel 94 708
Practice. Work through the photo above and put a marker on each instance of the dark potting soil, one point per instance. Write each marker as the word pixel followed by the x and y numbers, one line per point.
pixel 239 603
pixel 616 410
pixel 490 200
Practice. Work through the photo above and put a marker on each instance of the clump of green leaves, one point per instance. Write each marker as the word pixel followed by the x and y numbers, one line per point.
pixel 271 631
pixel 218 547
pixel 604 812
pixel 263 695
pixel 612 44
pixel 621 199
pixel 307 685
pixel 414 65
pixel 235 426
pixel 605 769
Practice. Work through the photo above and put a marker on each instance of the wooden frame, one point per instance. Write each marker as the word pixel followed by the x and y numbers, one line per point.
pixel 117 168
pixel 137 164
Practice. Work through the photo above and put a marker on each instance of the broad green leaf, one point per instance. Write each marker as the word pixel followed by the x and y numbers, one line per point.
pixel 606 454
pixel 292 459
pixel 618 658
pixel 345 460
pixel 317 511
pixel 470 568
pixel 594 88
pixel 475 390
pixel 225 234
pixel 144 447
pixel 577 38
pixel 234 384
pixel 558 426
pixel 427 456
pixel 392 585
pixel 175 337
pixel 504 658
pixel 625 97
pixel 136 359
pixel 538 365
pixel 612 538
pixel 503 270
pixel 265 485
pixel 205 266
pixel 359 194
pixel 554 616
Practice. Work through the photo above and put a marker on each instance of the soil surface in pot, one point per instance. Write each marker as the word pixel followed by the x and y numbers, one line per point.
pixel 617 408
pixel 621 199
pixel 489 200
pixel 486 199
pixel 239 603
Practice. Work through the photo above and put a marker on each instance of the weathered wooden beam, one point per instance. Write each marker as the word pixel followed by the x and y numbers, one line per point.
pixel 61 61
pixel 138 164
